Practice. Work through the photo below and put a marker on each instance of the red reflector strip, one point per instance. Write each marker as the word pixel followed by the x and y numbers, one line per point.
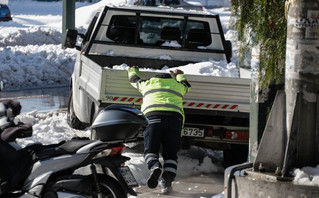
pixel 123 99
pixel 185 103
pixel 126 99
pixel 199 105
pixel 115 98
pixel 225 106
pixel 210 106
pixel 233 107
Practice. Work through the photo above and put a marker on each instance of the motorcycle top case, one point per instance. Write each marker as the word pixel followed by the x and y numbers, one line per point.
pixel 118 123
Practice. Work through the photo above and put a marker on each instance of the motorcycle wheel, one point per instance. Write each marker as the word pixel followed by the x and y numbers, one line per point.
pixel 109 187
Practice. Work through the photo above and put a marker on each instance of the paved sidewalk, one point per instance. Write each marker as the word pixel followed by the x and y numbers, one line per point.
pixel 203 186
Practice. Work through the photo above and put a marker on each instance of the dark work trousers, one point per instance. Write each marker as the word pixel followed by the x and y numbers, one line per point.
pixel 165 131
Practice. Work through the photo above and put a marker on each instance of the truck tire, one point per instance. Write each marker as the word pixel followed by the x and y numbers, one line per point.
pixel 236 155
pixel 72 119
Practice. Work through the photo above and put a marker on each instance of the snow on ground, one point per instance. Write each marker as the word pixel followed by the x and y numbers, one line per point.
pixel 31 57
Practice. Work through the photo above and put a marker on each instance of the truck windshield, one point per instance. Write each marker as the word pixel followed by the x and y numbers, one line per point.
pixel 159 31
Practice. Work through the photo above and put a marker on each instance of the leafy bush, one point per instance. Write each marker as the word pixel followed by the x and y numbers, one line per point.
pixel 262 23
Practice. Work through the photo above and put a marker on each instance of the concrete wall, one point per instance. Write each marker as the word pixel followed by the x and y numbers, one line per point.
pixel 257 185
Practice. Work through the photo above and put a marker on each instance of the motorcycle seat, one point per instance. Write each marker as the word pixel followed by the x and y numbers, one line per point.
pixel 14 131
pixel 62 148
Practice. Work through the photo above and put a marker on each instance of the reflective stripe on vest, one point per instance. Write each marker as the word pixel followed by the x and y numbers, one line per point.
pixel 163 90
pixel 164 105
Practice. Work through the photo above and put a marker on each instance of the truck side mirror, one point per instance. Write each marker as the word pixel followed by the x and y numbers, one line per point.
pixel 70 38
pixel 228 50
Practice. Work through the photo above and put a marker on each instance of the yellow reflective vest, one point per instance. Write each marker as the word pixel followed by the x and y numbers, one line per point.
pixel 160 93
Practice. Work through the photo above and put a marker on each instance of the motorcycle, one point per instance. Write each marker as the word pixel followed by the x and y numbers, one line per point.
pixel 77 168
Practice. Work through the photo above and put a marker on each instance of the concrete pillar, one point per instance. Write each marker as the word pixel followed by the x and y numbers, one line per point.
pixel 68 17
pixel 260 105
pixel 302 84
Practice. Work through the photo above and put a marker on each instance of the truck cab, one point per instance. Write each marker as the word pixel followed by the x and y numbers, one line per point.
pixel 153 32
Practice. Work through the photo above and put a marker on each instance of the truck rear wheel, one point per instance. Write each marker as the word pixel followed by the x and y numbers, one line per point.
pixel 72 119
pixel 236 155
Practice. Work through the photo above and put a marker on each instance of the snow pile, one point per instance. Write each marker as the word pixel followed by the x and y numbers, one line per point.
pixel 209 4
pixel 44 125
pixel 30 36
pixel 206 68
pixel 35 66
pixel 307 176
pixel 33 57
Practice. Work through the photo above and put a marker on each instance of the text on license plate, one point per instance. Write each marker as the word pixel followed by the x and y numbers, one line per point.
pixel 128 176
pixel 193 132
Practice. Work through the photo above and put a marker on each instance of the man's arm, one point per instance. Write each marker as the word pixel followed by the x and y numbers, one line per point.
pixel 180 77
pixel 134 76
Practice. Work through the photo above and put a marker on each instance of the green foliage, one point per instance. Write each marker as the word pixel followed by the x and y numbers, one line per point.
pixel 262 22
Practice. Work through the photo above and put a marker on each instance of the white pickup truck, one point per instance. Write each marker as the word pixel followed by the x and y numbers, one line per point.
pixel 216 108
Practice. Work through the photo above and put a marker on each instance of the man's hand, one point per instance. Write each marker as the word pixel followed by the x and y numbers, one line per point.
pixel 176 72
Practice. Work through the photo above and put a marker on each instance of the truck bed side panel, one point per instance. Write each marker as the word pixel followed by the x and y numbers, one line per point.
pixel 90 77
pixel 210 93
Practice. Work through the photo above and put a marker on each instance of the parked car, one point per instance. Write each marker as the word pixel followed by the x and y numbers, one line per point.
pixel 5 14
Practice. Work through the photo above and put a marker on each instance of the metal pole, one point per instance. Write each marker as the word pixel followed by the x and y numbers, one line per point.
pixel 302 81
pixel 68 17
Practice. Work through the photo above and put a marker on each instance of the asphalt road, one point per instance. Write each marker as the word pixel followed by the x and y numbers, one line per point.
pixel 202 186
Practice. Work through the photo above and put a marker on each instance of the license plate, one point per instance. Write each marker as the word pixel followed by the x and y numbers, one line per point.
pixel 128 176
pixel 193 132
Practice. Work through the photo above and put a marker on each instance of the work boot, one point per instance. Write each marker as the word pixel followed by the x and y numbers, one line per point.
pixel 153 179
pixel 166 186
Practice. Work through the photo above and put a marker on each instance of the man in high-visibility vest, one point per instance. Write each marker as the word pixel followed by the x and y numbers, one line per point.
pixel 163 106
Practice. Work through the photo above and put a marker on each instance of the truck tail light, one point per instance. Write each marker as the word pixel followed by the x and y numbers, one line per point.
pixel 237 135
